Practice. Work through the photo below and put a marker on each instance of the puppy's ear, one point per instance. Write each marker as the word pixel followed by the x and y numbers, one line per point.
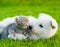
pixel 17 19
pixel 52 25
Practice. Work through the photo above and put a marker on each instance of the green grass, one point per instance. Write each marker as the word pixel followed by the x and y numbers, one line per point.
pixel 33 8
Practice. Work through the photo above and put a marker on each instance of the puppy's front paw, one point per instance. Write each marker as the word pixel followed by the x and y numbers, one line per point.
pixel 17 36
pixel 20 36
pixel 11 36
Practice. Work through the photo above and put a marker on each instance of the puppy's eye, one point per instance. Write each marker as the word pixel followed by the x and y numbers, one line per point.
pixel 41 25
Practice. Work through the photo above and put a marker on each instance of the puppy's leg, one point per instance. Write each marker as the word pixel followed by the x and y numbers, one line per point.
pixel 16 36
pixel 20 36
pixel 12 36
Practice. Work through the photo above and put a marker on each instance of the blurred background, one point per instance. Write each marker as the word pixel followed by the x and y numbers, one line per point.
pixel 26 2
pixel 10 8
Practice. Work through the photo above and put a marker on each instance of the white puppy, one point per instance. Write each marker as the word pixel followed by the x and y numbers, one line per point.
pixel 45 27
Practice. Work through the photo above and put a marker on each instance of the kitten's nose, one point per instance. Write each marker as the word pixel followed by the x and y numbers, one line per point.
pixel 30 27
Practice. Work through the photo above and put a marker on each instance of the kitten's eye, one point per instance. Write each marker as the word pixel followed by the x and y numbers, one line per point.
pixel 41 26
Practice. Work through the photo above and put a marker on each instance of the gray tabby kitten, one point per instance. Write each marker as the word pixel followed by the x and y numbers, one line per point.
pixel 20 26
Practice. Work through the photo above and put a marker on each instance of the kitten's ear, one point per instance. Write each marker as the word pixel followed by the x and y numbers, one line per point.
pixel 17 19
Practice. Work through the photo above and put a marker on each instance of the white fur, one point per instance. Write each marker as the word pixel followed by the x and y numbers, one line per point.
pixel 17 36
pixel 46 31
pixel 46 21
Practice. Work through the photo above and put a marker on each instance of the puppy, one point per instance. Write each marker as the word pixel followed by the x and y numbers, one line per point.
pixel 19 27
pixel 45 27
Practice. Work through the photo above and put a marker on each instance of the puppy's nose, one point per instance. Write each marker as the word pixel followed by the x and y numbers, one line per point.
pixel 30 27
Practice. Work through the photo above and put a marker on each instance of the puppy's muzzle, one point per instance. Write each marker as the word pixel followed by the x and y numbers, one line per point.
pixel 30 27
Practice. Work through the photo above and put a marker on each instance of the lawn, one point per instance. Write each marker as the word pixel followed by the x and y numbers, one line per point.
pixel 32 8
